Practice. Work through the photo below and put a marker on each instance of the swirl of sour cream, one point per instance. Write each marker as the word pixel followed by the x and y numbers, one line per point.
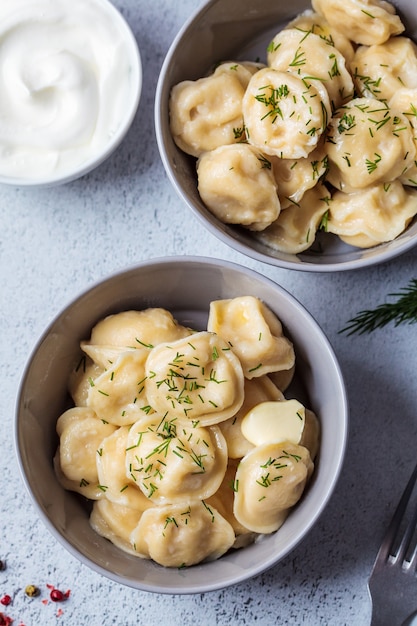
pixel 67 80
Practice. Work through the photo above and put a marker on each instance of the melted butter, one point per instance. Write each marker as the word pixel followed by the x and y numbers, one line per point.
pixel 274 422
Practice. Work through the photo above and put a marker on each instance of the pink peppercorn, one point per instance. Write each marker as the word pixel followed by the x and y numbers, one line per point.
pixel 5 620
pixel 6 600
pixel 57 595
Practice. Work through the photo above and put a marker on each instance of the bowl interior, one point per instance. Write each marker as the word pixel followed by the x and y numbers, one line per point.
pixel 234 30
pixel 173 284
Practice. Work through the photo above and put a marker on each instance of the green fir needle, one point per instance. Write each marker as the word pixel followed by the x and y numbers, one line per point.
pixel 402 311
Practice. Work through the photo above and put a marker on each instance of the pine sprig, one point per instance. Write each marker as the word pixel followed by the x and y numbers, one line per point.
pixel 401 311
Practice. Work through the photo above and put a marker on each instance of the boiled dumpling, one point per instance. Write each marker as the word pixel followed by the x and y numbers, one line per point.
pixel 368 143
pixel 282 379
pixel 310 21
pixel 171 461
pixel 269 481
pixel 296 176
pixel 284 115
pixel 311 434
pixel 131 330
pixel 367 21
pixel 195 379
pixel 81 379
pixel 380 70
pixel 309 55
pixel 120 487
pixel 116 523
pixel 405 101
pixel 80 435
pixel 182 534
pixel 389 209
pixel 254 333
pixel 118 394
pixel 237 185
pixel 296 227
pixel 207 113
pixel 223 501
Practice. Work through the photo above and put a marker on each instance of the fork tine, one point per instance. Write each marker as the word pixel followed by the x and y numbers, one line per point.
pixel 389 550
pixel 392 583
pixel 411 554
pixel 413 561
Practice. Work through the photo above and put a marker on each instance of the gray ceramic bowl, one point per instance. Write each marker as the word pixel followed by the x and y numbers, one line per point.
pixel 241 29
pixel 101 82
pixel 185 286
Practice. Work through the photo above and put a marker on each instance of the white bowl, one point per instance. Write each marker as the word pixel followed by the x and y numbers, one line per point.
pixel 70 81
pixel 185 286
pixel 224 30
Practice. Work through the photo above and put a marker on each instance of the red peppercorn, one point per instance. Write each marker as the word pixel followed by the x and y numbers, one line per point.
pixel 5 620
pixel 57 595
pixel 6 600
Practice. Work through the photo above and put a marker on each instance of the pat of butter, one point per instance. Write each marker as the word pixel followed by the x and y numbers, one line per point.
pixel 274 422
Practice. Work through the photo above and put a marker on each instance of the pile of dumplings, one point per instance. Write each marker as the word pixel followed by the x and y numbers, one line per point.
pixel 183 439
pixel 320 138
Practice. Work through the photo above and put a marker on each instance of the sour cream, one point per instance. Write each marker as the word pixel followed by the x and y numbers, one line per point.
pixel 69 86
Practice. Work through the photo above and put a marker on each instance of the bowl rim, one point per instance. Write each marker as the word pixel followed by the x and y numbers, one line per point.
pixel 93 162
pixel 340 444
pixel 224 232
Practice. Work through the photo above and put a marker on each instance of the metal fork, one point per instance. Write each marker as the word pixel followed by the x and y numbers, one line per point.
pixel 393 581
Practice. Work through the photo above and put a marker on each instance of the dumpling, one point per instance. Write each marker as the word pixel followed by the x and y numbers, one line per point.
pixel 296 227
pixel 310 21
pixel 111 468
pixel 374 215
pixel 284 115
pixel 80 435
pixel 380 70
pixel 368 143
pixel 182 534
pixel 282 379
pixel 237 185
pixel 195 379
pixel 296 176
pixel 81 379
pixel 116 523
pixel 254 333
pixel 269 482
pixel 171 461
pixel 207 113
pixel 405 101
pixel 311 434
pixel 131 330
pixel 118 394
pixel 309 55
pixel 223 501
pixel 242 69
pixel 368 22
pixel 256 390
